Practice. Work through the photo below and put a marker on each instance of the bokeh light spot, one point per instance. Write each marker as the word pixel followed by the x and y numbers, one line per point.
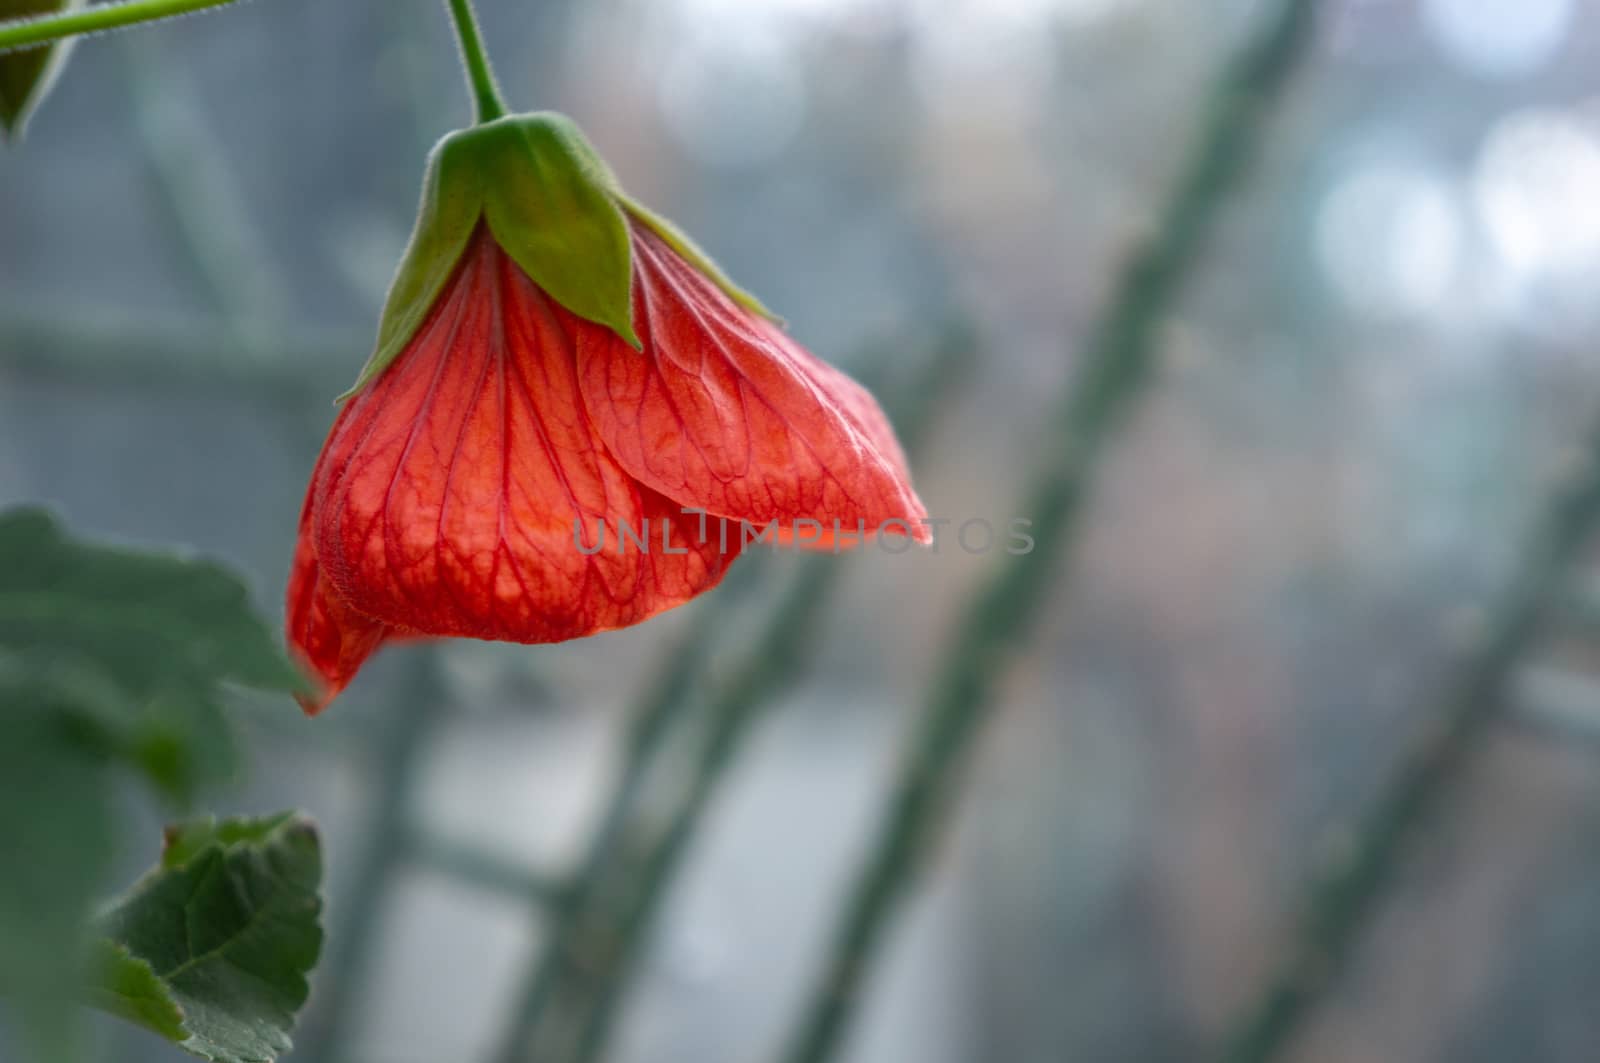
pixel 1499 38
pixel 1536 189
pixel 1389 238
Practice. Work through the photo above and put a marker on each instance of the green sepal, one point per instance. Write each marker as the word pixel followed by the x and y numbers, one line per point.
pixel 27 74
pixel 452 203
pixel 548 202
pixel 680 242
pixel 675 237
pixel 553 205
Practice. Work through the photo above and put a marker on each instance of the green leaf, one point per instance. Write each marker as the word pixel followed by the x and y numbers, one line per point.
pixel 164 629
pixel 158 633
pixel 182 842
pixel 127 987
pixel 151 620
pixel 129 649
pixel 56 834
pixel 228 926
pixel 109 659
pixel 26 75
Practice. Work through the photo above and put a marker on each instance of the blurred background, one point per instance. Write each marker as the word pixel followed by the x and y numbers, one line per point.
pixel 1383 366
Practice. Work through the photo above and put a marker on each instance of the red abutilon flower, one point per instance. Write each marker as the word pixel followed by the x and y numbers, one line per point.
pixel 555 364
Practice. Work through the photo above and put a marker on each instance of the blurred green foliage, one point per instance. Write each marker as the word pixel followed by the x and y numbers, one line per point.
pixel 112 663
pixel 212 948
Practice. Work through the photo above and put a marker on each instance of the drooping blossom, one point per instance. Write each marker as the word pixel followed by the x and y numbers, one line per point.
pixel 557 366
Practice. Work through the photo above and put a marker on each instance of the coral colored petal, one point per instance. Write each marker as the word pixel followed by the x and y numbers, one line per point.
pixel 329 638
pixel 456 497
pixel 855 401
pixel 724 412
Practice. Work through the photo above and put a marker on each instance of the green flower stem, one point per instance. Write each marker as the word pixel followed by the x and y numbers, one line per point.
pixel 1342 899
pixel 480 867
pixel 34 31
pixel 1114 371
pixel 480 75
pixel 83 344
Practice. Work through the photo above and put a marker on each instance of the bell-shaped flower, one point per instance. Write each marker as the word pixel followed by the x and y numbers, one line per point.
pixel 567 406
